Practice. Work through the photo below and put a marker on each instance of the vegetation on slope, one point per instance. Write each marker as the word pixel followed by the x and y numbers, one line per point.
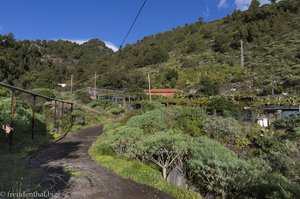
pixel 205 56
pixel 220 156
pixel 16 176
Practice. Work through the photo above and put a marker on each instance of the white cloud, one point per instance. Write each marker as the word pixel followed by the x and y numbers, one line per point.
pixel 244 4
pixel 222 4
pixel 206 13
pixel 81 41
pixel 111 46
pixel 77 41
pixel 262 2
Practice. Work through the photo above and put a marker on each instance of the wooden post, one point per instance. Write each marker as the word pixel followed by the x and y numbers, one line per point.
pixel 71 84
pixel 95 85
pixel 149 85
pixel 62 110
pixel 12 111
pixel 33 118
pixel 55 107
pixel 72 119
pixel 242 54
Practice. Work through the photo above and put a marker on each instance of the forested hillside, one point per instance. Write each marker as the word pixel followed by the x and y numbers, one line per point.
pixel 205 56
pixel 39 63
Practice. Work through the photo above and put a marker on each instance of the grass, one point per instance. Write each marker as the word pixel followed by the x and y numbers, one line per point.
pixel 139 172
pixel 15 176
pixel 72 172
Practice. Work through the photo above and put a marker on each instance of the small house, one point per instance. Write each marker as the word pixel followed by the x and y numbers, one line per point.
pixel 272 113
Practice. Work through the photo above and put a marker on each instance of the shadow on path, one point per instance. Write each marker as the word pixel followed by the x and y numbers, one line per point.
pixel 95 181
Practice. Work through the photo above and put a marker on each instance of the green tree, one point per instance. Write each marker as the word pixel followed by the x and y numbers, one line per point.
pixel 171 74
pixel 254 6
pixel 165 149
pixel 222 43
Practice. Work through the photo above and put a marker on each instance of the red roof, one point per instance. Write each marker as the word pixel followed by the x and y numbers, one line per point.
pixel 164 90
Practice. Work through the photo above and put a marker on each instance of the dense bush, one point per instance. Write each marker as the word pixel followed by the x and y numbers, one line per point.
pixel 275 186
pixel 123 139
pixel 224 107
pixel 83 97
pixel 150 121
pixel 173 136
pixel 103 104
pixel 22 116
pixel 149 106
pixel 190 120
pixel 117 111
pixel 219 172
pixel 289 123
pixel 4 92
pixel 221 128
pixel 78 116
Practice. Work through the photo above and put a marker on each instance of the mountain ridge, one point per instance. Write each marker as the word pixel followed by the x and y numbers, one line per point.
pixel 203 56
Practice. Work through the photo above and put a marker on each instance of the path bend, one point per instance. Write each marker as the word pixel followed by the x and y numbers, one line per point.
pixel 96 182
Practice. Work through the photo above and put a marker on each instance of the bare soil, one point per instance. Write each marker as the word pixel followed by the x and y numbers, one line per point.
pixel 95 182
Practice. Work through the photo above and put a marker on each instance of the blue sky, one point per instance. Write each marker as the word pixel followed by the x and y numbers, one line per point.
pixel 108 20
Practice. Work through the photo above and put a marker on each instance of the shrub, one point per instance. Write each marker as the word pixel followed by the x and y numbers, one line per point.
pixel 4 92
pixel 208 86
pixel 123 139
pixel 219 171
pixel 103 149
pixel 190 120
pixel 46 92
pixel 117 111
pixel 189 63
pixel 78 117
pixel 66 122
pixel 275 186
pixel 22 123
pixel 103 104
pixel 223 107
pixel 83 97
pixel 241 142
pixel 149 106
pixel 288 123
pixel 164 148
pixel 220 128
pixel 150 121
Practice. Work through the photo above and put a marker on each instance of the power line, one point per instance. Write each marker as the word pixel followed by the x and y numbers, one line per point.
pixel 137 16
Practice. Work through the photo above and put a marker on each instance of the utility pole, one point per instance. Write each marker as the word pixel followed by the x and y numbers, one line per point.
pixel 149 82
pixel 95 85
pixel 242 54
pixel 71 83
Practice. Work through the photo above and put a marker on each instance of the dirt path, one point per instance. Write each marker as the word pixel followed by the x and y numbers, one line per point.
pixel 96 182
